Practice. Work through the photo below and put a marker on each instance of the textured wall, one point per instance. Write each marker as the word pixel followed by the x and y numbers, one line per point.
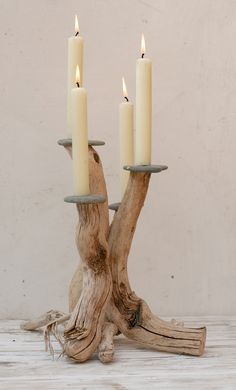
pixel 183 259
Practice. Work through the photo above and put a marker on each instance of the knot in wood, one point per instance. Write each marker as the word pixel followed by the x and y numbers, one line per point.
pixel 96 157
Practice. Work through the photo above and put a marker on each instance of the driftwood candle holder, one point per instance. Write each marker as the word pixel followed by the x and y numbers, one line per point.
pixel 101 301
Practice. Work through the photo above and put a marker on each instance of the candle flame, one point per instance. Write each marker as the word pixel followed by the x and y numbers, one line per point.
pixel 77 75
pixel 143 46
pixel 76 25
pixel 125 93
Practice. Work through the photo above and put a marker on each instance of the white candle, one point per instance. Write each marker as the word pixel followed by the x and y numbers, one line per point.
pixel 143 109
pixel 126 138
pixel 75 57
pixel 80 138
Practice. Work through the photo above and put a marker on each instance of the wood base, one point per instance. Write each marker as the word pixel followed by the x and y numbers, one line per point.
pixel 101 300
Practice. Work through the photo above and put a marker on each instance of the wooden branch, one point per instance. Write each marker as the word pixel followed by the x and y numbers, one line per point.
pixel 130 313
pixel 96 187
pixel 106 346
pixel 84 329
pixel 120 239
pixel 43 320
pixel 102 271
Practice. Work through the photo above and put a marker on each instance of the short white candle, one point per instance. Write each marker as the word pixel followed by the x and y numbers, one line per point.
pixel 75 57
pixel 143 137
pixel 126 138
pixel 80 138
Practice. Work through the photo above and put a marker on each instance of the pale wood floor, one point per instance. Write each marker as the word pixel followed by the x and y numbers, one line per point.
pixel 25 365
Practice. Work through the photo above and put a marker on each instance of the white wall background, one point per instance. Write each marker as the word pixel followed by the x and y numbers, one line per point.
pixel 183 259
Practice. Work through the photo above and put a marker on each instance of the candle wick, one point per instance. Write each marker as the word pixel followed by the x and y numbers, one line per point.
pixel 77 33
pixel 78 84
pixel 142 55
pixel 126 98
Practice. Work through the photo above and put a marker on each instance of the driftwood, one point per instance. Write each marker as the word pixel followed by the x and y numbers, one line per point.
pixel 84 329
pixel 131 314
pixel 101 300
pixel 106 346
pixel 44 320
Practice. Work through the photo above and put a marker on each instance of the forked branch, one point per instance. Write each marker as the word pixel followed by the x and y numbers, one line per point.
pixel 103 270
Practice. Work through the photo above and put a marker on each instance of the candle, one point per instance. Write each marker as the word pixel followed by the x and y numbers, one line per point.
pixel 75 56
pixel 126 138
pixel 143 108
pixel 79 138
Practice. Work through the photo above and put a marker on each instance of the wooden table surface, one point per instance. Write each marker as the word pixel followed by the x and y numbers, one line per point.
pixel 25 365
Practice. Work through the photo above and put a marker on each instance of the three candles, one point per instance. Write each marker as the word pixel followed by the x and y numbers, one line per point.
pixel 77 117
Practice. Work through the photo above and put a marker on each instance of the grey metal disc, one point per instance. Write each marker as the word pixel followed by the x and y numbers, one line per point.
pixel 145 168
pixel 85 199
pixel 114 206
pixel 68 142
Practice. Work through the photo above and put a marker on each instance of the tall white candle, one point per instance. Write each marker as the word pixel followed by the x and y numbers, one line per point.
pixel 80 138
pixel 126 138
pixel 143 109
pixel 75 57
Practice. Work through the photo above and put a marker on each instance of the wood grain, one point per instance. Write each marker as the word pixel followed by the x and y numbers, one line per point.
pixel 130 313
pixel 84 329
pixel 104 255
